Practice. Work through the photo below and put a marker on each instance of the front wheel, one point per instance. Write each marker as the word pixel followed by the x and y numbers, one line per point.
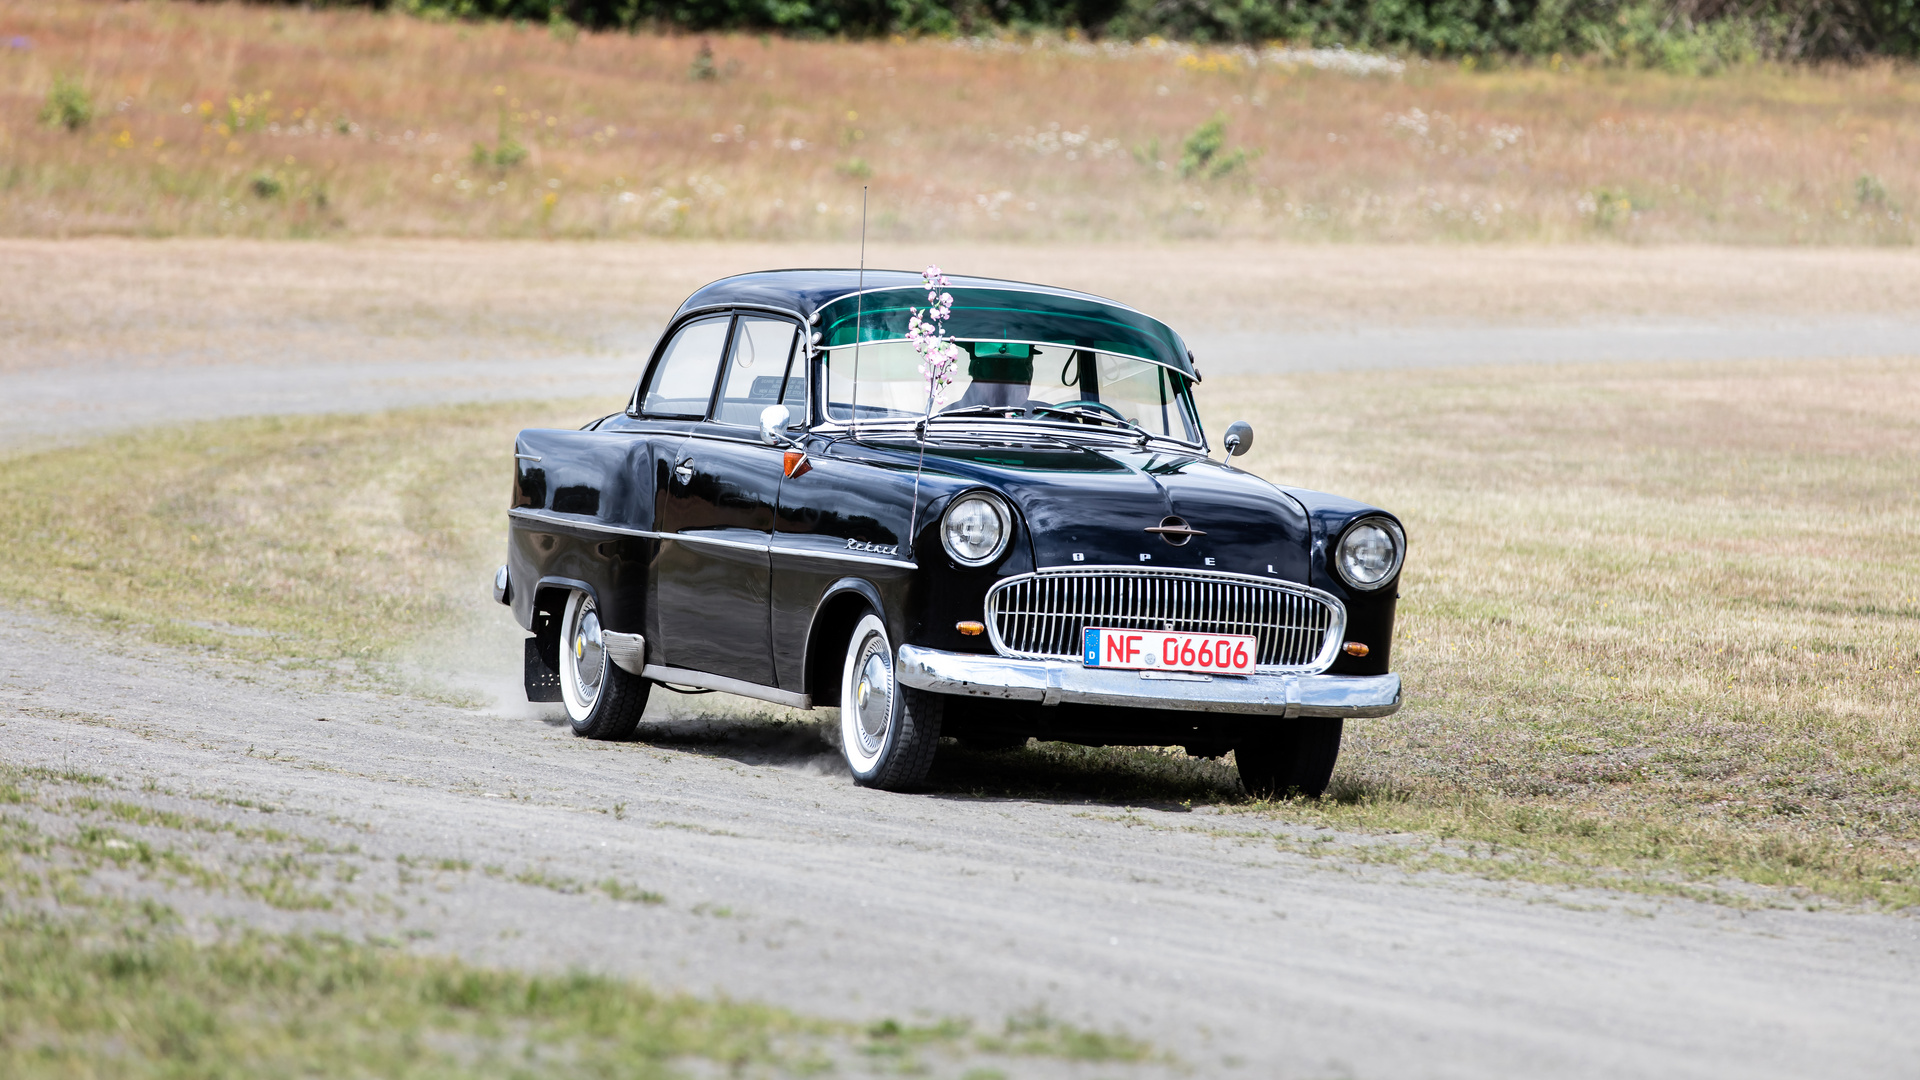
pixel 887 731
pixel 1295 759
pixel 604 701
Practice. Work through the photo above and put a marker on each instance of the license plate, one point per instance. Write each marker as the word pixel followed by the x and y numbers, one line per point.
pixel 1149 650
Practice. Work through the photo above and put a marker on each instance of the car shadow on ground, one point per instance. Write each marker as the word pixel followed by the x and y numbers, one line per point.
pixel 1163 778
pixel 804 744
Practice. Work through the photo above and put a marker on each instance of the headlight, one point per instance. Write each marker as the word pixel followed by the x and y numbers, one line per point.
pixel 1370 552
pixel 975 529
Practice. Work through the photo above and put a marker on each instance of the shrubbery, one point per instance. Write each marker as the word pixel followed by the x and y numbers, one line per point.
pixel 1674 34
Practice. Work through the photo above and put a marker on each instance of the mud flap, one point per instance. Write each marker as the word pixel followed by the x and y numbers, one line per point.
pixel 543 682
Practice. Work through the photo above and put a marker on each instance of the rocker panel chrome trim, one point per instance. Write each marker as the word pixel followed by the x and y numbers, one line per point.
pixel 704 681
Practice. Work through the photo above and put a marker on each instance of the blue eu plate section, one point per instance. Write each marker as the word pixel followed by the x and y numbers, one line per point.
pixel 1092 649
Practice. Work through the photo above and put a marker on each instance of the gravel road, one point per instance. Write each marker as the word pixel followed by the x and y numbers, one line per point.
pixel 1206 933
pixel 786 883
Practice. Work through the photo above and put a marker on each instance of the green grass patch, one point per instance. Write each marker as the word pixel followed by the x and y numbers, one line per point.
pixel 139 1001
pixel 304 538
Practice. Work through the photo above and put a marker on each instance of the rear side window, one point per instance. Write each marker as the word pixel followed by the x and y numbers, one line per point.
pixel 758 371
pixel 682 382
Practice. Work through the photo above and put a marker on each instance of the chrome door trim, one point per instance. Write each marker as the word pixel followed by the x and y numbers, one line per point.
pixel 843 556
pixel 548 517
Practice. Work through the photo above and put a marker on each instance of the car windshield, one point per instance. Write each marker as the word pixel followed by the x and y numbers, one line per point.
pixel 1001 380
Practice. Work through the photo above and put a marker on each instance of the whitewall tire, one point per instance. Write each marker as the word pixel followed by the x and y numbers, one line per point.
pixel 603 701
pixel 888 731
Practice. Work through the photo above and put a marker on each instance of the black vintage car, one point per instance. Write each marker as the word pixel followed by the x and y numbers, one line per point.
pixel 785 511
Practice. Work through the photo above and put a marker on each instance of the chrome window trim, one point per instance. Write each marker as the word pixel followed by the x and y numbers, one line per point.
pixel 824 424
pixel 1329 647
pixel 1003 428
pixel 1031 288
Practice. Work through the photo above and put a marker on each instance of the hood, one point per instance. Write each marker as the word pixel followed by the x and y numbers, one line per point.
pixel 1091 506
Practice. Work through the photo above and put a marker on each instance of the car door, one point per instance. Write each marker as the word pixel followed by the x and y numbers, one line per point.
pixel 718 511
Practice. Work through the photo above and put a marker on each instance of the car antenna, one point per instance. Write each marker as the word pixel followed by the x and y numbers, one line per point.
pixel 859 310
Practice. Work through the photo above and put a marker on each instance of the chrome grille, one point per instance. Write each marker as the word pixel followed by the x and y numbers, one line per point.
pixel 1045 615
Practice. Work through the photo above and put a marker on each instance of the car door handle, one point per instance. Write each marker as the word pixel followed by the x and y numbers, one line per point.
pixel 684 471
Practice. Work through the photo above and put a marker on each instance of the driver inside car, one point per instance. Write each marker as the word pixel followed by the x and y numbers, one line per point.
pixel 1001 375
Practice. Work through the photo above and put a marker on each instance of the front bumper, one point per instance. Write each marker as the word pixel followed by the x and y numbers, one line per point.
pixel 1052 682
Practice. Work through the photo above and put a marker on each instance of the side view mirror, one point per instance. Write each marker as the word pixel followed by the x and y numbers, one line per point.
pixel 773 425
pixel 1238 440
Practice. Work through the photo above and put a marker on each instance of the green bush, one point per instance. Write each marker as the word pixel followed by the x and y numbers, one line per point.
pixel 1205 152
pixel 67 106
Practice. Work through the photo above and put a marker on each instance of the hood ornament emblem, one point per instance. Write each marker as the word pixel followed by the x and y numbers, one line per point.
pixel 1175 530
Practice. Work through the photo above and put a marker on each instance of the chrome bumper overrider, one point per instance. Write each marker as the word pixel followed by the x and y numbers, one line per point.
pixel 1051 682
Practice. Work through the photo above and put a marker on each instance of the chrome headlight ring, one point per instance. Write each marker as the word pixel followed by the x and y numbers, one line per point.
pixel 1370 553
pixel 976 528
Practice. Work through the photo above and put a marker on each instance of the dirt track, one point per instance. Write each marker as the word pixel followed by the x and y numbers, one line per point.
pixel 786 883
pixel 144 332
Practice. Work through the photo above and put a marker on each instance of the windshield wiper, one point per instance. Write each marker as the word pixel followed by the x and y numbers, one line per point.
pixel 1089 412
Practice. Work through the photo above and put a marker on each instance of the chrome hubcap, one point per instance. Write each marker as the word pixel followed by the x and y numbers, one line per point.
pixel 874 694
pixel 589 654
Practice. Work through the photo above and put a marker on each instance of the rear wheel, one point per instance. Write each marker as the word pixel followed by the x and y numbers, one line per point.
pixel 888 731
pixel 603 700
pixel 1295 759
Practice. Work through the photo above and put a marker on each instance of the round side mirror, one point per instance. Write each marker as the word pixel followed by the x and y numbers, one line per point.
pixel 773 424
pixel 1239 438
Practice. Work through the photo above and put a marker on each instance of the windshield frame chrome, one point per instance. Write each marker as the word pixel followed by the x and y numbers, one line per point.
pixel 824 423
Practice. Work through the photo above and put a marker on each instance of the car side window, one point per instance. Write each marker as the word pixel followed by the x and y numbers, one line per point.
pixel 760 371
pixel 682 382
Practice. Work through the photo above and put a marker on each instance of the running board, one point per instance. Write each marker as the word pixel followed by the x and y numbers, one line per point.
pixel 703 681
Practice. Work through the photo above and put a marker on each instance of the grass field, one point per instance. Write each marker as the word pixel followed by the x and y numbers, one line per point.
pixel 167 118
pixel 1658 624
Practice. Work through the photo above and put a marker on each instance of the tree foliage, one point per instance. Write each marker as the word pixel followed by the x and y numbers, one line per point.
pixel 1677 34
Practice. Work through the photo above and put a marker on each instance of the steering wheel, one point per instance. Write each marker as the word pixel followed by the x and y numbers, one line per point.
pixel 1101 405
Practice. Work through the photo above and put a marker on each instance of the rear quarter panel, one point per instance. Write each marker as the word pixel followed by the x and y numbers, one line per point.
pixel 586 491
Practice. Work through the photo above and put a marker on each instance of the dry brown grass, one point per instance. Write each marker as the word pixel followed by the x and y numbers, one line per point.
pixel 345 118
pixel 1666 619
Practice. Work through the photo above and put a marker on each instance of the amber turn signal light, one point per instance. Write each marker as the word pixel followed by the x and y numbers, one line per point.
pixel 795 463
pixel 971 629
pixel 1354 648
